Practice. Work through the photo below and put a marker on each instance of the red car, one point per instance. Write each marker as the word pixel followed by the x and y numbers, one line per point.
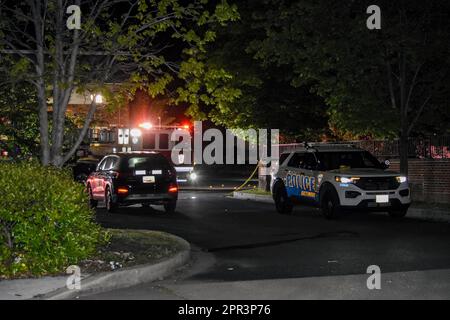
pixel 123 179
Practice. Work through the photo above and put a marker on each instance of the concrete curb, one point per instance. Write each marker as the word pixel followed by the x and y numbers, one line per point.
pixel 127 277
pixel 431 214
pixel 255 197
pixel 224 189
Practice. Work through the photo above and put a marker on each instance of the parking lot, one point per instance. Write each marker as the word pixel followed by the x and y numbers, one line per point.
pixel 248 245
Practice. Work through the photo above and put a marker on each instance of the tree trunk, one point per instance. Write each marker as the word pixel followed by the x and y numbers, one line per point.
pixel 404 153
pixel 43 129
pixel 40 82
pixel 65 72
pixel 403 116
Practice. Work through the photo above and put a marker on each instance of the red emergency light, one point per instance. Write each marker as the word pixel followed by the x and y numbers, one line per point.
pixel 146 125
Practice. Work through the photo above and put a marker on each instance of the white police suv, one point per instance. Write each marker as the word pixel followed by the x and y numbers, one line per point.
pixel 337 177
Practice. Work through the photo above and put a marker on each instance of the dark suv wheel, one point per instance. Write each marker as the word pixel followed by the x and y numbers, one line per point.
pixel 170 206
pixel 111 206
pixel 92 203
pixel 282 202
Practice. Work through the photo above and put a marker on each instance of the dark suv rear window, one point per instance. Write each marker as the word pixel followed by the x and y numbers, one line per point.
pixel 146 163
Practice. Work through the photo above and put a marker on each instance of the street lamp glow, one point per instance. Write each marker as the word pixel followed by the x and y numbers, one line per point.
pixel 98 98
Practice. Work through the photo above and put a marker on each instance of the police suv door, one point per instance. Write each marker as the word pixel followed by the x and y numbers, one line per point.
pixel 292 178
pixel 307 182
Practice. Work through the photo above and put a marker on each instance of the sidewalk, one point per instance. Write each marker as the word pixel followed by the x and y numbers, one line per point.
pixel 55 287
pixel 23 289
pixel 408 285
pixel 216 184
pixel 422 212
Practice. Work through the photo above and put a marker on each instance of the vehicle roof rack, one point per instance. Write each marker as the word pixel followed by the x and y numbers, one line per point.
pixel 314 145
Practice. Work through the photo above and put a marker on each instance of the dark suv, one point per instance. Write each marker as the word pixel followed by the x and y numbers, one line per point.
pixel 134 177
pixel 83 168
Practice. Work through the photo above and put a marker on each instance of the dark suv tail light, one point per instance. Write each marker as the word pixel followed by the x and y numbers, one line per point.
pixel 173 188
pixel 122 190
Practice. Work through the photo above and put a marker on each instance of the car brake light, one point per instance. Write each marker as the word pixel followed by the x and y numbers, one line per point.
pixel 173 188
pixel 122 190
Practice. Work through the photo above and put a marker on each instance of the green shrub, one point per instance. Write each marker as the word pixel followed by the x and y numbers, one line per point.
pixel 46 223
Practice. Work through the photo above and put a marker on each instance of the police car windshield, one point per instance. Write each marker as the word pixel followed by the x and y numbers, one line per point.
pixel 349 159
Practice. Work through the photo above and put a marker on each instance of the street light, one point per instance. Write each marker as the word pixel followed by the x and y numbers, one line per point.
pixel 98 98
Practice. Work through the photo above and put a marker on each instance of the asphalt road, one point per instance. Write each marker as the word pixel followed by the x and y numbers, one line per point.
pixel 245 250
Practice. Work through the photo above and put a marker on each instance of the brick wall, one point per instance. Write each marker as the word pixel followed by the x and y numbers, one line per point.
pixel 429 179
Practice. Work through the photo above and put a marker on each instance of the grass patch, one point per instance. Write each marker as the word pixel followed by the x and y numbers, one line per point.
pixel 129 248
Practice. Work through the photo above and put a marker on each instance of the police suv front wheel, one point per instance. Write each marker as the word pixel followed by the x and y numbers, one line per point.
pixel 330 205
pixel 282 202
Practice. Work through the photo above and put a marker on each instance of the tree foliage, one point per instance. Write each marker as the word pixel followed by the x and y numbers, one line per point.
pixel 267 98
pixel 18 119
pixel 19 122
pixel 378 83
pixel 151 45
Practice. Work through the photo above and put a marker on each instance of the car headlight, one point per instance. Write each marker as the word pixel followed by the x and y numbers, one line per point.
pixel 346 179
pixel 193 176
pixel 401 179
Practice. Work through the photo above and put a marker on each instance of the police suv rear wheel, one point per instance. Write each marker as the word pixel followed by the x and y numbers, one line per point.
pixel 330 205
pixel 282 202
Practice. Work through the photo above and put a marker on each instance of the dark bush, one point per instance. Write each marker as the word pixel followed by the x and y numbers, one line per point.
pixel 45 221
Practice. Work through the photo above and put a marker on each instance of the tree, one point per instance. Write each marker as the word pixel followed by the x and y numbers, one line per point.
pixel 375 82
pixel 267 99
pixel 136 43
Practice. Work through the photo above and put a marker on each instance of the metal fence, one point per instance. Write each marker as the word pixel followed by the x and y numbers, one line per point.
pixel 435 147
